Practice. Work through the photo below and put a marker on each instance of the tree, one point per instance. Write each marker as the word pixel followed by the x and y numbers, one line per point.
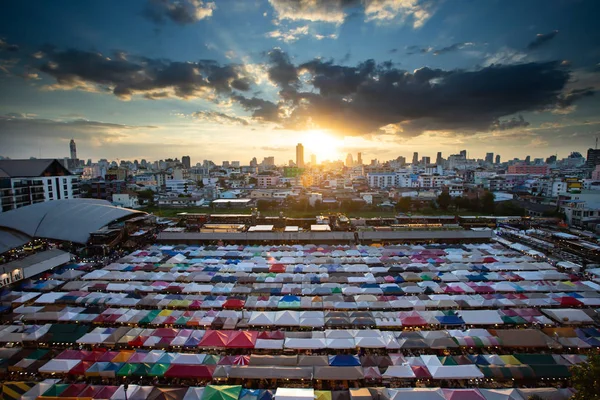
pixel 444 200
pixel 200 184
pixel 487 203
pixel 252 181
pixel 263 205
pixel 146 196
pixel 585 379
pixel 404 204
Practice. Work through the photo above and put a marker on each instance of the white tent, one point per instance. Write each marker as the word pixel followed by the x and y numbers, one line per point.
pixel 415 394
pixel 294 394
pixel 399 371
pixel 501 394
pixel 58 366
pixel 454 372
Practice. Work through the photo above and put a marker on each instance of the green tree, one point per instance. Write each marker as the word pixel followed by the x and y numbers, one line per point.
pixel 586 379
pixel 252 181
pixel 444 200
pixel 263 205
pixel 146 197
pixel 199 184
pixel 487 203
pixel 404 204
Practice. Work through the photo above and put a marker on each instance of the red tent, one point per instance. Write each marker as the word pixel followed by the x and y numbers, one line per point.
pixel 372 373
pixel 92 391
pixel 94 355
pixel 108 356
pixel 271 335
pixel 71 355
pixel 489 260
pixel 214 338
pixel 421 372
pixel 74 390
pixel 106 392
pixel 277 268
pixel 242 339
pixel 569 301
pixel 234 303
pixel 165 332
pixel 190 371
pixel 138 341
pixel 80 368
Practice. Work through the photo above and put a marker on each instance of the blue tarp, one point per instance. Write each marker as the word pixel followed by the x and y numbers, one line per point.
pixel 344 360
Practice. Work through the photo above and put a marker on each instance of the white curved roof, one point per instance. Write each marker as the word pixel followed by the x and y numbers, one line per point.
pixel 68 220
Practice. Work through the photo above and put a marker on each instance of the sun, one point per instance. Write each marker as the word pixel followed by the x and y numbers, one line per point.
pixel 322 145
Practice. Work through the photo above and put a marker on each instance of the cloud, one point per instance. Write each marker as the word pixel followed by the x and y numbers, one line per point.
pixel 182 12
pixel 363 99
pixel 218 118
pixel 518 122
pixel 336 11
pixel 504 56
pixel 153 78
pixel 541 39
pixel 281 71
pixel 452 48
pixel 410 50
pixel 289 36
pixel 8 47
pixel 274 148
pixel 262 110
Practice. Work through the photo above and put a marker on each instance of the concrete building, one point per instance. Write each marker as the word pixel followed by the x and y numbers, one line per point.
pixel 489 158
pixel 267 180
pixel 528 169
pixel 593 158
pixel 300 155
pixel 186 161
pixel 25 182
pixel 127 200
pixel 497 158
pixel 415 159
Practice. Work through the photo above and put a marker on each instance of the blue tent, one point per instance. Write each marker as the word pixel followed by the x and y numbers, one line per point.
pixel 344 360
pixel 450 320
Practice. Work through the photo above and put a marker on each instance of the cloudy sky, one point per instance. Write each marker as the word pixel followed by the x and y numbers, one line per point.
pixel 232 79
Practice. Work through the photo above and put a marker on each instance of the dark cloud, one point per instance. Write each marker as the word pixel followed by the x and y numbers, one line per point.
pixel 370 96
pixel 391 51
pixel 8 47
pixel 414 49
pixel 262 110
pixel 567 100
pixel 218 117
pixel 452 48
pixel 518 122
pixel 181 12
pixel 153 78
pixel 281 70
pixel 541 39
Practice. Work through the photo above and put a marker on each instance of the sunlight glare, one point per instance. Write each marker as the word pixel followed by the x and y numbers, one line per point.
pixel 321 144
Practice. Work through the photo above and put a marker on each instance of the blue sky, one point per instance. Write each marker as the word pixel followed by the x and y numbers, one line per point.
pixel 232 79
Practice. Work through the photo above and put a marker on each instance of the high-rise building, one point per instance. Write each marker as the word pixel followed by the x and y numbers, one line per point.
pixel 313 160
pixel 226 164
pixel 73 149
pixel 300 155
pixel 349 160
pixel 235 164
pixel 359 159
pixel 593 158
pixel 489 158
pixel 268 161
pixel 463 153
pixel 253 162
pixel 497 158
pixel 186 161
pixel 415 160
pixel 426 160
pixel 439 159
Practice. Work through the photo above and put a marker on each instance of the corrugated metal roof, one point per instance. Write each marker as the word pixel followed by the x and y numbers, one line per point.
pixel 10 239
pixel 28 168
pixel 67 220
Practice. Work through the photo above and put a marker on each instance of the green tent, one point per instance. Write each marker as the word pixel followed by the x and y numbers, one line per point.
pixel 127 369
pixel 37 354
pixel 516 320
pixel 211 359
pixel 56 389
pixel 182 320
pixel 336 290
pixel 158 369
pixel 149 317
pixel 536 359
pixel 448 361
pixel 551 371
pixel 221 392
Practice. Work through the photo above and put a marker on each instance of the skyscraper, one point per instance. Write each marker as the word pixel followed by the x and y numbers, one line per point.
pixel 489 158
pixel 300 155
pixel 186 161
pixel 439 159
pixel 426 160
pixel 527 159
pixel 497 158
pixel 73 148
pixel 349 160
pixel 463 153
pixel 313 160
pixel 415 160
pixel 359 159
pixel 593 158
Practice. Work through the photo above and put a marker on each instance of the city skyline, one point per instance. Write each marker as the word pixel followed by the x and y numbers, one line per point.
pixel 241 79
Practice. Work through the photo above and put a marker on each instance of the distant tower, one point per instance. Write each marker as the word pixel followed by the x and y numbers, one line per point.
pixel 359 159
pixel 415 159
pixel 497 158
pixel 463 153
pixel 439 159
pixel 349 160
pixel 186 161
pixel 300 155
pixel 313 160
pixel 73 148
